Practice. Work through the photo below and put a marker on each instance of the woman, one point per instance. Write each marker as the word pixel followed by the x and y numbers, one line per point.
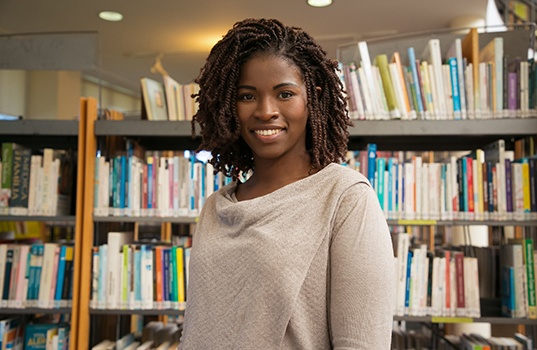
pixel 299 255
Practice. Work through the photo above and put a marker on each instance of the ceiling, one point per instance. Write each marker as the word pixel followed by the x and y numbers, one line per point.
pixel 182 32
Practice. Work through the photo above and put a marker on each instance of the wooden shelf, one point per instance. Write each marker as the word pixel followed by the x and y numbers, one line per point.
pixel 147 219
pixel 492 320
pixel 387 134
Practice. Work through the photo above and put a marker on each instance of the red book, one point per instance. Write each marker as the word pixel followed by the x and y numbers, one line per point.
pixel 470 177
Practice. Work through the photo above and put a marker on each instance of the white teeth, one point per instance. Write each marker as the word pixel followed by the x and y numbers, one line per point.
pixel 267 132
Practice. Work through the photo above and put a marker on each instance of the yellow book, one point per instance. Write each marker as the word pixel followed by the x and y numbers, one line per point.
pixel 180 275
pixel 381 61
pixel 526 185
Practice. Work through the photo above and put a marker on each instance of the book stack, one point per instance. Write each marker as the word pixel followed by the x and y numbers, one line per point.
pixel 35 184
pixel 36 275
pixel 168 100
pixel 162 184
pixel 486 184
pixel 140 276
pixel 451 79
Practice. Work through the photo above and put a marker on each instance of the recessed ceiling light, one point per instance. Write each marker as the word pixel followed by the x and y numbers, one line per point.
pixel 319 3
pixel 111 16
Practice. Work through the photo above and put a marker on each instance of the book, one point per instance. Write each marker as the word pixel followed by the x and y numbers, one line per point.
pixel 492 52
pixel 529 272
pixel 35 335
pixel 116 240
pixel 433 55
pixel 153 100
pixel 21 161
pixel 470 51
pixel 50 256
pixel 381 61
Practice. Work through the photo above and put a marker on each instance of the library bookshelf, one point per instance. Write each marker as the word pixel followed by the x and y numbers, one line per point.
pixel 450 98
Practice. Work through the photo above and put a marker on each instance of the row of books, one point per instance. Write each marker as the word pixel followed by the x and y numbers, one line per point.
pixel 168 100
pixel 36 275
pixel 518 288
pixel 443 284
pixel 168 184
pixel 466 83
pixel 128 275
pixel 35 184
pixel 404 339
pixel 485 184
pixel 155 335
pixel 17 333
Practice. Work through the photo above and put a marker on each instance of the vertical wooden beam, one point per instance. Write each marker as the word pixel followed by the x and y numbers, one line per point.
pixel 84 239
pixel 78 221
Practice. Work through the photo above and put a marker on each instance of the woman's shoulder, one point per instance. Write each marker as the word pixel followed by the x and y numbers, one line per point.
pixel 344 175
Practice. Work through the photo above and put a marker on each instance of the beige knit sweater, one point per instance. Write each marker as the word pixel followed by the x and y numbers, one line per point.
pixel 308 266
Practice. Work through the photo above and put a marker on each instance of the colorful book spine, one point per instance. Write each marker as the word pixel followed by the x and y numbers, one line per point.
pixel 455 93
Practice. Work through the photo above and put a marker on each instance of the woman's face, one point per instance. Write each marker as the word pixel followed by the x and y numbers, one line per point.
pixel 272 108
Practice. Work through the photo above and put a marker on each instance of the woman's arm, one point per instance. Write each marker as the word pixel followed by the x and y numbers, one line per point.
pixel 362 274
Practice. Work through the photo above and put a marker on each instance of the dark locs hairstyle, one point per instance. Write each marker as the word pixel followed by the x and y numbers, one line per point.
pixel 326 135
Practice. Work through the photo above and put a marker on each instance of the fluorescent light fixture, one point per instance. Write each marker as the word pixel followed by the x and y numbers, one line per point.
pixel 111 16
pixel 319 3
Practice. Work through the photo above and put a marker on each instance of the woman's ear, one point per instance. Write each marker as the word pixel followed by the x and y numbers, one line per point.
pixel 318 90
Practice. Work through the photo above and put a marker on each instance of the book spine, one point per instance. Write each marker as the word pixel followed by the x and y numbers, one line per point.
pixel 7 177
pixel 18 204
pixel 455 91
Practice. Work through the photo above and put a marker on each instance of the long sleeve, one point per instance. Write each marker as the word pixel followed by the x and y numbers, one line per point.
pixel 361 269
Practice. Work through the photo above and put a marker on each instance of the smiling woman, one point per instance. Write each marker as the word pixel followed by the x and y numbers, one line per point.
pixel 289 258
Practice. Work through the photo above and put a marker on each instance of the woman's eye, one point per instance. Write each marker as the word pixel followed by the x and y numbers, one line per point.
pixel 246 97
pixel 286 94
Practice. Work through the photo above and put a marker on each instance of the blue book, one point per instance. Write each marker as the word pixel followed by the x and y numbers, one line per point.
pixel 122 181
pixel 35 335
pixel 415 79
pixel 138 276
pixel 166 274
pixel 61 274
pixel 63 337
pixel 103 263
pixel 408 281
pixel 371 162
pixel 150 170
pixel 391 171
pixel 35 262
pixel 381 167
pixel 192 185
pixel 455 92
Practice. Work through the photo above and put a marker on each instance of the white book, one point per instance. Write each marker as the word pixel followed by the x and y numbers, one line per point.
pixel 355 86
pixel 436 296
pixel 469 88
pixel 384 114
pixel 433 55
pixel 116 240
pixel 146 345
pixel 22 282
pixel 53 187
pixel 398 89
pixel 105 345
pixel 448 93
pixel 45 206
pixel 171 87
pixel 368 99
pixel 33 189
pixel 409 190
pixel 403 243
pixel 483 92
pixel 3 252
pixel 493 52
pixel 146 260
pixel 47 277
pixel 365 63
